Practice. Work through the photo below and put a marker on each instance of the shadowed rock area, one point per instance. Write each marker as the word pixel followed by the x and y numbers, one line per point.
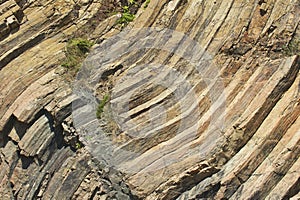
pixel 217 117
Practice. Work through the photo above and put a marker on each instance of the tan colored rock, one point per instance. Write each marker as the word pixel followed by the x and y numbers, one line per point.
pixel 255 153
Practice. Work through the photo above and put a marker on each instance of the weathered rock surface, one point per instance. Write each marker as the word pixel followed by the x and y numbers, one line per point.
pixel 41 156
pixel 255 155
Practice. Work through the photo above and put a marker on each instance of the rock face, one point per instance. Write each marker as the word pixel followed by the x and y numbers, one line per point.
pixel 240 137
pixel 41 156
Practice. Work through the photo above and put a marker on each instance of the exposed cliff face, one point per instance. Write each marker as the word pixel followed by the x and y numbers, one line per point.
pixel 40 155
pixel 253 50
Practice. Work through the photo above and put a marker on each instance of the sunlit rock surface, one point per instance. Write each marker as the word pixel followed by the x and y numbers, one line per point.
pixel 234 134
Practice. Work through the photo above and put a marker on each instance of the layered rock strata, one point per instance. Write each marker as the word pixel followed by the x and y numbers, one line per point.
pixel 254 51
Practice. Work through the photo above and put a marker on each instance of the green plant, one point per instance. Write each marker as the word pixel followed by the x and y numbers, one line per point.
pixel 126 17
pixel 131 1
pixel 82 44
pixel 101 106
pixel 146 3
pixel 293 48
pixel 75 51
pixel 78 145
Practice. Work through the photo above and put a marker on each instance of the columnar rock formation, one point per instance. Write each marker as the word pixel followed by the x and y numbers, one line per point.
pixel 240 137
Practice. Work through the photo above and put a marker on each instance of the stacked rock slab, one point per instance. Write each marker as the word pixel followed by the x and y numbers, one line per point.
pixel 256 149
pixel 255 155
pixel 10 17
pixel 41 157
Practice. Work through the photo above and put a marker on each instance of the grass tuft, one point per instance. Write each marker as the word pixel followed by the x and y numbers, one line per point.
pixel 101 106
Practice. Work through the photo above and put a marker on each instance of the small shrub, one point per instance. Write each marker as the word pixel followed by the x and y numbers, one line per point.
pixel 101 106
pixel 75 51
pixel 126 17
pixel 83 45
